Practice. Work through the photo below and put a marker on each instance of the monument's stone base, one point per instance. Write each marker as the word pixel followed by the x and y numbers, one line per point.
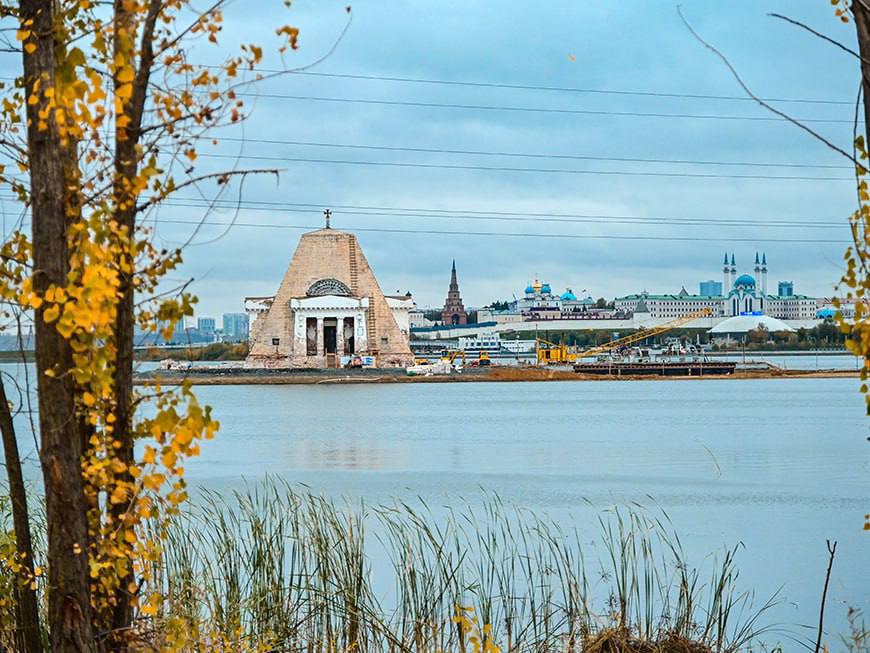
pixel 322 362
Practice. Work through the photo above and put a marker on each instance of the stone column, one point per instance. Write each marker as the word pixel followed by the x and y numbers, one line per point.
pixel 359 323
pixel 339 336
pixel 321 350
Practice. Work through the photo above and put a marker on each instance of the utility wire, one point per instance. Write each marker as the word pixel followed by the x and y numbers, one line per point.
pixel 561 89
pixel 504 233
pixel 471 214
pixel 493 107
pixel 392 212
pixel 532 155
pixel 485 168
pixel 535 87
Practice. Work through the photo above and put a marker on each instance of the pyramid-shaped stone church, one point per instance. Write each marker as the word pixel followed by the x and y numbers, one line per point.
pixel 328 309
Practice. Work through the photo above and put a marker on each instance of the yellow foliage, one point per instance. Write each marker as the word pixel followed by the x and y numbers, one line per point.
pixel 855 282
pixel 92 111
pixel 478 637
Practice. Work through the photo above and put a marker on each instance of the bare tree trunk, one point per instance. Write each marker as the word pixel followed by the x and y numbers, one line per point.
pixel 26 608
pixel 69 607
pixel 861 12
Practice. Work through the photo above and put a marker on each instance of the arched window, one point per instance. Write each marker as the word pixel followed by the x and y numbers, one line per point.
pixel 323 287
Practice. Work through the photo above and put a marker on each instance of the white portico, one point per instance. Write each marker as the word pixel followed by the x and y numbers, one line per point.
pixel 329 324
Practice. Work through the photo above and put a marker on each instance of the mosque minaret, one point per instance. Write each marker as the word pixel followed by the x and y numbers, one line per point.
pixel 740 295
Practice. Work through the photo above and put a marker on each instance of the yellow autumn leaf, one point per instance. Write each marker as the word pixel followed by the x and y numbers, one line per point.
pixel 51 313
pixel 125 74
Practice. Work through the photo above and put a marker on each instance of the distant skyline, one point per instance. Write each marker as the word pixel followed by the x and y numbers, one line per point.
pixel 646 185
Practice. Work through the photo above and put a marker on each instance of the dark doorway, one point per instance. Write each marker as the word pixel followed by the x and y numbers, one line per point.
pixel 455 319
pixel 329 338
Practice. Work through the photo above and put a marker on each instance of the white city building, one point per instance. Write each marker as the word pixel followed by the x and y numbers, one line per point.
pixel 746 293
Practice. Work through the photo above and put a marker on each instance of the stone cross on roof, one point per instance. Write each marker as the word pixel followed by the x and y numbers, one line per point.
pixel 327 213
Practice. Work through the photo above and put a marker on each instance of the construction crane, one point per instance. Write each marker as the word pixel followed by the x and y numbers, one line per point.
pixel 549 353
pixel 643 334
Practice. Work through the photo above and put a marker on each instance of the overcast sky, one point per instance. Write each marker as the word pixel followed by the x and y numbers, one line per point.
pixel 631 45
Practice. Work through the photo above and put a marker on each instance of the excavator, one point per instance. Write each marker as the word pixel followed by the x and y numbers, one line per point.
pixel 549 353
pixel 448 356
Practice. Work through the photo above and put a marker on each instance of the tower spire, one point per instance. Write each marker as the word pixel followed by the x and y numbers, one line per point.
pixel 453 311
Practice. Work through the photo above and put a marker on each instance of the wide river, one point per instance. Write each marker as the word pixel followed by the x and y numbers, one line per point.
pixel 779 465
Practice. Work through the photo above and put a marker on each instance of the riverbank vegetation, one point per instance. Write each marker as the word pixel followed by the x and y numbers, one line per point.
pixel 822 336
pixel 216 351
pixel 271 568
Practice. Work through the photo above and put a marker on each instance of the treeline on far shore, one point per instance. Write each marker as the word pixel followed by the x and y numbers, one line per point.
pixel 216 351
pixel 822 336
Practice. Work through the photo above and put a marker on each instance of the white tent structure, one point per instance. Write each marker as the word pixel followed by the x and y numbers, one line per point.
pixel 742 324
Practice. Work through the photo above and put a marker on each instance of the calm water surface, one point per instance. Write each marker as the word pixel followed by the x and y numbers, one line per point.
pixel 778 465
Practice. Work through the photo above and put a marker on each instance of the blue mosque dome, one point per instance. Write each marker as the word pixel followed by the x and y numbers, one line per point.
pixel 745 280
pixel 545 289
pixel 530 290
pixel 826 313
pixel 568 296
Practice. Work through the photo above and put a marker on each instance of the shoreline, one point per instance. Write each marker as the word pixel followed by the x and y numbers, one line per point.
pixel 241 376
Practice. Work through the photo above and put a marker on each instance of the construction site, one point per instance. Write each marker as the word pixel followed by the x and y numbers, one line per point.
pixel 643 354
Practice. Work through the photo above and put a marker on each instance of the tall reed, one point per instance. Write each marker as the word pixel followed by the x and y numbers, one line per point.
pixel 281 569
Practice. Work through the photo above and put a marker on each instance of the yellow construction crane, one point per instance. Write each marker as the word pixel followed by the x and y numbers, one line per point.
pixel 643 334
pixel 549 353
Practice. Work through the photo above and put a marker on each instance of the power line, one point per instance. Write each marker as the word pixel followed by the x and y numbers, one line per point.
pixel 538 87
pixel 569 171
pixel 576 218
pixel 477 215
pixel 492 107
pixel 503 233
pixel 562 89
pixel 533 155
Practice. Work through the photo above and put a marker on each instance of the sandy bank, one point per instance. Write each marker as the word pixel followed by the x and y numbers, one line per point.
pixel 240 376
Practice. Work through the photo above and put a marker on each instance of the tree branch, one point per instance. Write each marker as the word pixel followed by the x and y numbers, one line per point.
pixel 834 42
pixel 832 550
pixel 213 175
pixel 764 104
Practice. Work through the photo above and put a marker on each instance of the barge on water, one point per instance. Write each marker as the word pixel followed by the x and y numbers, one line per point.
pixel 646 362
